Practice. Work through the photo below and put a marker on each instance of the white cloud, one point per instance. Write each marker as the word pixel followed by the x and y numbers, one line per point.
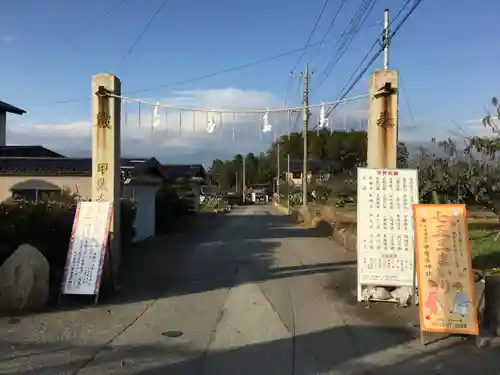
pixel 183 133
pixel 473 127
pixel 172 136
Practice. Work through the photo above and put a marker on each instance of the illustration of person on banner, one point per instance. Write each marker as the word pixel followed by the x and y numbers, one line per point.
pixel 461 301
pixel 433 303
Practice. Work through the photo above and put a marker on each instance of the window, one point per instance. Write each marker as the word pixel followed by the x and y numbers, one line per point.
pixel 36 195
pixel 296 175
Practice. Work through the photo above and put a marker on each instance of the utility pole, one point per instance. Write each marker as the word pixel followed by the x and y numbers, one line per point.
pixel 244 180
pixel 278 172
pixel 306 116
pixel 383 121
pixel 288 182
pixel 386 39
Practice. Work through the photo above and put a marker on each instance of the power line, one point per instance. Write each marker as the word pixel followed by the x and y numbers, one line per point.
pixel 108 11
pixel 353 28
pixel 372 60
pixel 311 34
pixel 205 76
pixel 146 28
pixel 305 47
pixel 333 20
pixel 377 41
pixel 407 102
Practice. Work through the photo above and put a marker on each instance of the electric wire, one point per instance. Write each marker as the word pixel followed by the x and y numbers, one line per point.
pixel 107 12
pixel 353 28
pixel 311 34
pixel 377 41
pixel 372 60
pixel 202 77
pixel 316 23
pixel 332 22
pixel 145 28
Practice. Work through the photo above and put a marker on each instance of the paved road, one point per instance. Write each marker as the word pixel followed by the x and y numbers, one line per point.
pixel 249 294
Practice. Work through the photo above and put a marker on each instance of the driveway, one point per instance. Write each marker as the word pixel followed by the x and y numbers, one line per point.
pixel 248 293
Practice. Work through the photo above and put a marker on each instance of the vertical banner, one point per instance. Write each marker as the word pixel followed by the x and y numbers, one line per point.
pixel 445 279
pixel 385 233
pixel 87 248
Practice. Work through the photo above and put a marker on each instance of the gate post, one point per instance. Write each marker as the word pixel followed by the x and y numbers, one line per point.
pixel 383 120
pixel 106 181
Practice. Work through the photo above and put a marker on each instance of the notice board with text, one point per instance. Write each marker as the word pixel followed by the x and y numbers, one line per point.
pixel 87 248
pixel 385 247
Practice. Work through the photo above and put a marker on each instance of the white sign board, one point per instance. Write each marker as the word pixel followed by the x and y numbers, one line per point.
pixel 386 252
pixel 87 248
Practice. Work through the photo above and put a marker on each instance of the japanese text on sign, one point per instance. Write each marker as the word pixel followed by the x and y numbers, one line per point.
pixel 87 248
pixel 385 232
pixel 101 181
pixel 447 301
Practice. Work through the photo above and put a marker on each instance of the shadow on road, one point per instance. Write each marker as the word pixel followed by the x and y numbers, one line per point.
pixel 207 257
pixel 309 354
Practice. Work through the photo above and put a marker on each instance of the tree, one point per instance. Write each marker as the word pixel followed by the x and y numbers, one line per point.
pixel 349 148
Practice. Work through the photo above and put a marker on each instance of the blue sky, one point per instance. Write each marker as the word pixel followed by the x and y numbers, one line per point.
pixel 446 55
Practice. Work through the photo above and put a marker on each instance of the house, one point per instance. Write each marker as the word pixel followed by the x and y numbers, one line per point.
pixel 189 179
pixel 4 109
pixel 318 171
pixel 42 177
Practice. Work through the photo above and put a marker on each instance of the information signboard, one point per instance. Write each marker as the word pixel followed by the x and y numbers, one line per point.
pixel 384 226
pixel 445 279
pixel 87 248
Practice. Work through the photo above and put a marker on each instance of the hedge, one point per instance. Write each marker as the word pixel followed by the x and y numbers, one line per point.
pixel 47 226
pixel 169 208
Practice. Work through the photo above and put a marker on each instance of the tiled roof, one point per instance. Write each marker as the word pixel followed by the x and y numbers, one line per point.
pixel 45 166
pixel 9 108
pixel 61 166
pixel 175 171
pixel 28 151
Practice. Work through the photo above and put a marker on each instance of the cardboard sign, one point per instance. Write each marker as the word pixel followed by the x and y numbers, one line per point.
pixel 87 248
pixel 445 279
pixel 385 230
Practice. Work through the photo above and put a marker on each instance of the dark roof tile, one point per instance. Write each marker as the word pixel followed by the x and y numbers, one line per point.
pixel 175 171
pixel 50 166
pixel 28 151
pixel 9 108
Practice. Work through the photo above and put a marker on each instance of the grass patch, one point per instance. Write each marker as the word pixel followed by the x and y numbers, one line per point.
pixel 485 250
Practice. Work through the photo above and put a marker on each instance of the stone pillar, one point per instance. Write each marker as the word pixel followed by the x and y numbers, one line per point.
pixel 383 120
pixel 106 160
pixel 3 128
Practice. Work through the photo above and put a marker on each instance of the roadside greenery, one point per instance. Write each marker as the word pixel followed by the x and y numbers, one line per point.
pixel 455 171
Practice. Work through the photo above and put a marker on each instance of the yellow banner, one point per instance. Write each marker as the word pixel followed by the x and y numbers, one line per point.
pixel 445 281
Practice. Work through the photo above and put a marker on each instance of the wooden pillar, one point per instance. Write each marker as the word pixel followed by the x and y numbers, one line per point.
pixel 383 120
pixel 106 153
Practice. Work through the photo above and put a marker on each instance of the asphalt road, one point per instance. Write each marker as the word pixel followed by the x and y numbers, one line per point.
pixel 248 294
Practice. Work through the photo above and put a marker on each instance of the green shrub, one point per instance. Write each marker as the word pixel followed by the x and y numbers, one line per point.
pixel 47 226
pixel 127 230
pixel 169 208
